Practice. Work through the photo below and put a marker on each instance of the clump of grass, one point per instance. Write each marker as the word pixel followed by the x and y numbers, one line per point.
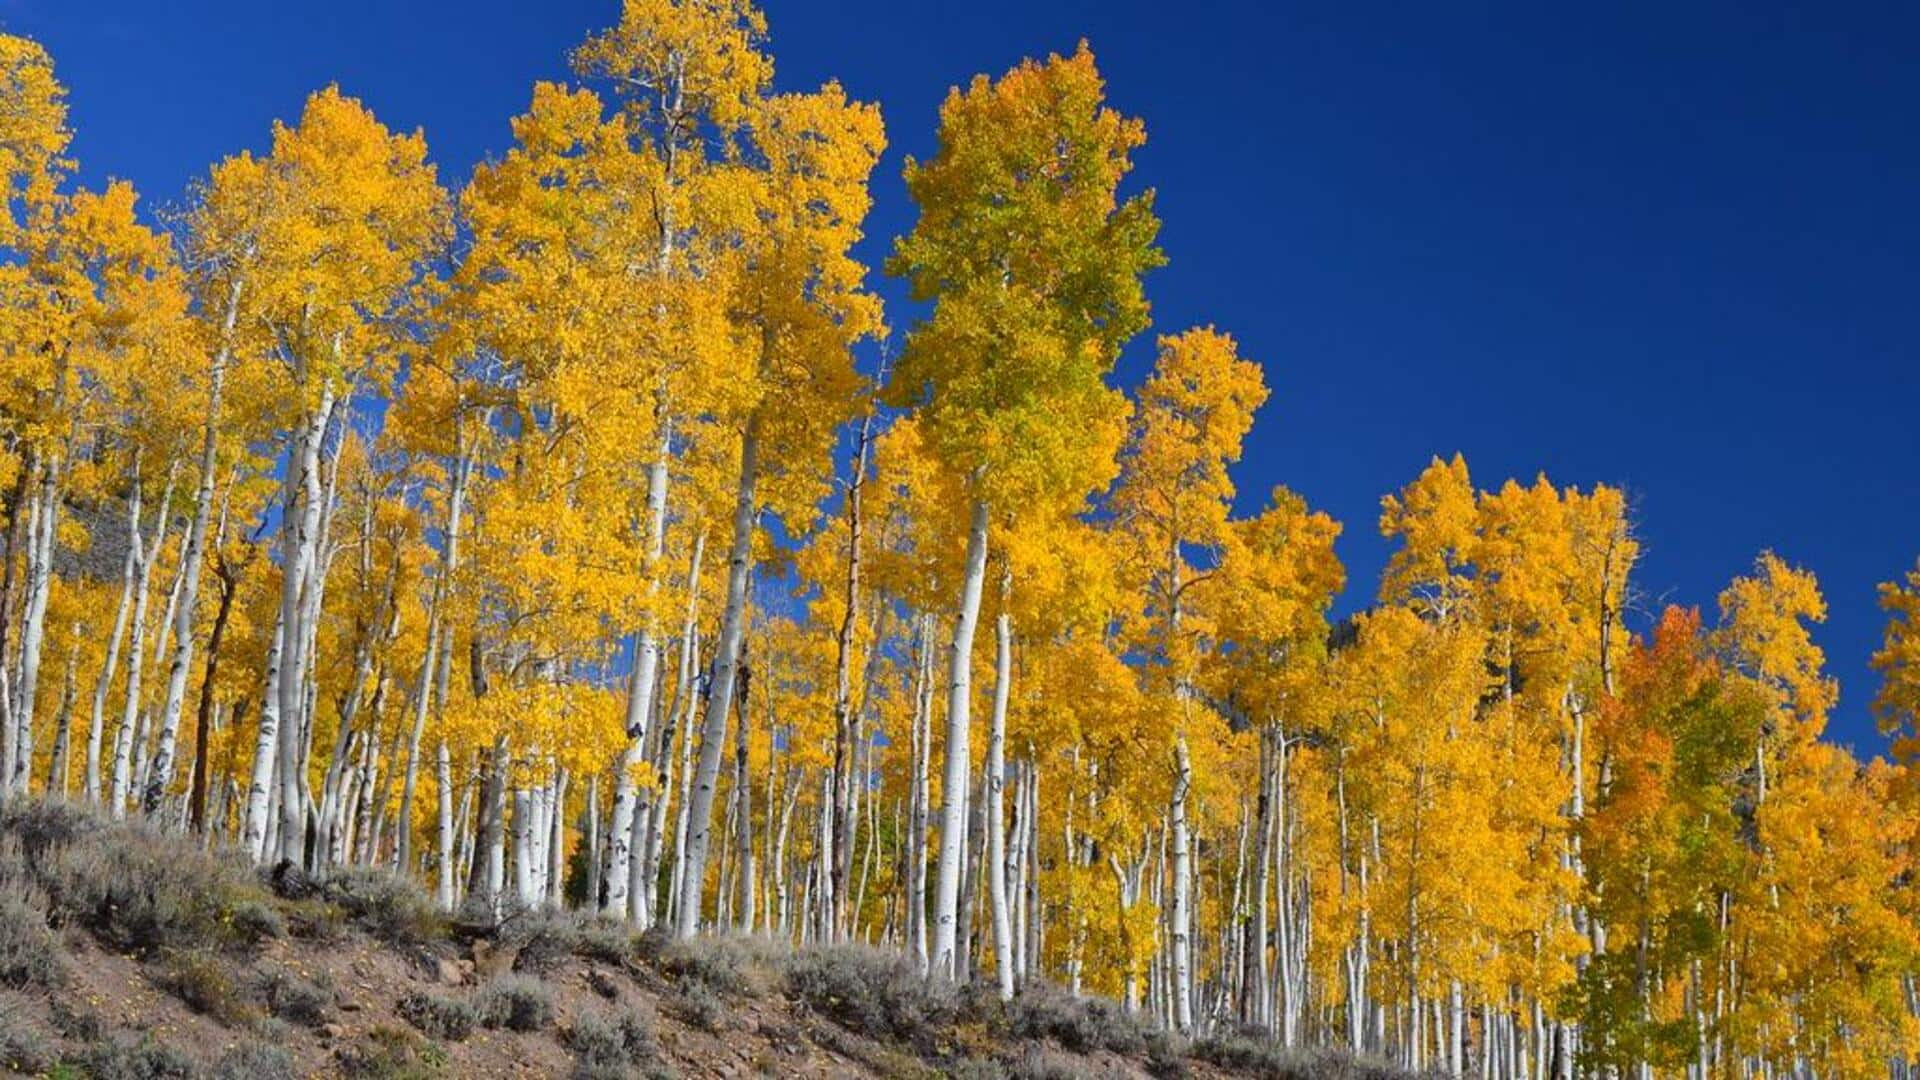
pixel 515 1002
pixel 440 1016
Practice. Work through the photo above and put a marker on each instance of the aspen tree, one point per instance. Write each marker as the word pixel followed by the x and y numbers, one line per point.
pixel 1033 263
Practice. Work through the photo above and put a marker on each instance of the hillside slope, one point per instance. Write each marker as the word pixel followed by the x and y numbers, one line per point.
pixel 127 953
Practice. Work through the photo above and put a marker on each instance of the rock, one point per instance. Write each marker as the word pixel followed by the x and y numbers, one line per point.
pixel 448 973
pixel 601 983
pixel 491 959
pixel 331 1032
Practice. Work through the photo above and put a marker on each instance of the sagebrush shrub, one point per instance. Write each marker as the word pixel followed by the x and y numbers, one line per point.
pixel 392 908
pixel 515 1002
pixel 252 1059
pixel 440 1016
pixel 608 1042
pixel 30 953
pixel 294 998
pixel 872 992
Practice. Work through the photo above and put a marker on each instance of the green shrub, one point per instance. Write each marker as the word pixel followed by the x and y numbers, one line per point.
pixel 1256 1054
pixel 543 938
pixel 871 992
pixel 134 886
pixel 439 1016
pixel 255 921
pixel 515 1002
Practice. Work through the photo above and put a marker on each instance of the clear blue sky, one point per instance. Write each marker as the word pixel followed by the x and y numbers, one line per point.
pixel 1666 246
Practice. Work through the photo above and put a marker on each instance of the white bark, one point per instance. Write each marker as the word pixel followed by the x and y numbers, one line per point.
pixel 129 574
pixel 42 531
pixel 1182 913
pixel 1003 962
pixel 720 698
pixel 953 795
pixel 191 559
pixel 640 693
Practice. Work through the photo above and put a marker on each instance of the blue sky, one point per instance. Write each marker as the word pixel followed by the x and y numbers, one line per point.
pixel 1667 246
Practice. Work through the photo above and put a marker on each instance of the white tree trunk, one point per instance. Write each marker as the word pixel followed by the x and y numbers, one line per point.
pixel 640 693
pixel 260 787
pixel 96 727
pixel 191 558
pixel 1003 962
pixel 720 698
pixel 122 777
pixel 299 547
pixel 953 794
pixel 42 531
pixel 1182 913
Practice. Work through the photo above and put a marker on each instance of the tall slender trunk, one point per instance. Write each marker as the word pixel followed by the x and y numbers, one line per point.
pixel 122 777
pixel 300 542
pixel 191 558
pixel 720 699
pixel 837 832
pixel 102 688
pixel 641 689
pixel 1181 915
pixel 995 796
pixel 203 726
pixel 953 795
pixel 43 530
